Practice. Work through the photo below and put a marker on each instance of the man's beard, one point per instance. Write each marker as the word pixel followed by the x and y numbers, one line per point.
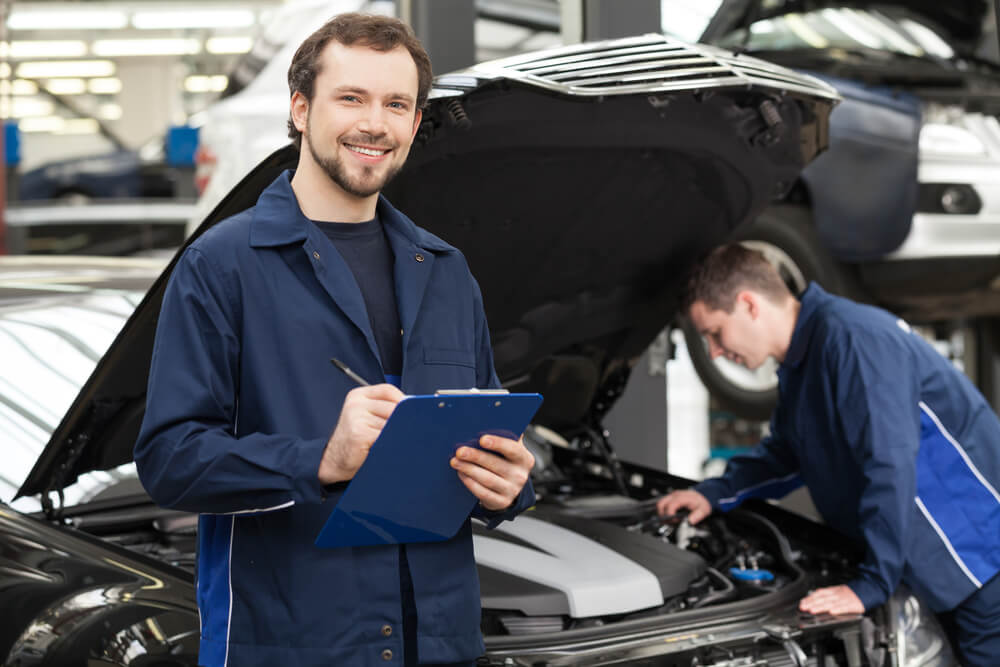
pixel 334 167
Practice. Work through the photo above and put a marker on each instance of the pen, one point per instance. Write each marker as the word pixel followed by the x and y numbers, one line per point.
pixel 348 372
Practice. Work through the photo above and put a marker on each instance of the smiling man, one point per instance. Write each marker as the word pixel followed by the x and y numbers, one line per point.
pixel 897 447
pixel 248 424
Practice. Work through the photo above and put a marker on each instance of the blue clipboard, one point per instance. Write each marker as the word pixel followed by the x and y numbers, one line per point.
pixel 406 490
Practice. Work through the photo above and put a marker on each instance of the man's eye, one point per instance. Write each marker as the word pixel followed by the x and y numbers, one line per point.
pixel 397 105
pixel 349 98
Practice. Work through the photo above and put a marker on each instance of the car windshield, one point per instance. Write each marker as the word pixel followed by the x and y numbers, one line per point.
pixel 49 348
pixel 842 28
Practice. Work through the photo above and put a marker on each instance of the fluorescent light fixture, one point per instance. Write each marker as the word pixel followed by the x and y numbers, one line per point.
pixel 79 126
pixel 797 24
pixel 66 17
pixel 17 87
pixel 43 49
pixel 56 69
pixel 894 39
pixel 146 47
pixel 850 26
pixel 197 83
pixel 105 86
pixel 26 107
pixel 66 86
pixel 43 124
pixel 928 39
pixel 192 18
pixel 228 44
pixel 109 111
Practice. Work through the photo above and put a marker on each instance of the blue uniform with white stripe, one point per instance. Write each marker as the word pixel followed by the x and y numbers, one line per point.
pixel 241 402
pixel 896 446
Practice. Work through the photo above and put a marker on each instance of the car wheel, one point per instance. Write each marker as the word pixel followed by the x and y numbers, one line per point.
pixel 786 237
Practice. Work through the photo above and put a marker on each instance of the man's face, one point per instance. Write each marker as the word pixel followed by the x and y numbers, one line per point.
pixel 737 335
pixel 363 116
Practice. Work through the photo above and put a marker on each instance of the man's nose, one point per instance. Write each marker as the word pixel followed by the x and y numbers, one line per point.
pixel 714 350
pixel 373 122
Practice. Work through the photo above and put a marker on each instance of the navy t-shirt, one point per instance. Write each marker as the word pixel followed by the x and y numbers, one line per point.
pixel 366 250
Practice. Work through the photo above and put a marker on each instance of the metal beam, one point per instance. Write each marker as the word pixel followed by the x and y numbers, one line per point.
pixel 446 28
pixel 587 20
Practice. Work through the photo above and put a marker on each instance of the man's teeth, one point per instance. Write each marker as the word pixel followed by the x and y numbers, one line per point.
pixel 368 151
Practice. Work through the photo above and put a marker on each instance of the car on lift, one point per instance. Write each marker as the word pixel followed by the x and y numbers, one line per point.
pixel 909 189
pixel 600 172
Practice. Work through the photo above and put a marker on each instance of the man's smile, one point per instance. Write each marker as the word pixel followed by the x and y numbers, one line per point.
pixel 365 150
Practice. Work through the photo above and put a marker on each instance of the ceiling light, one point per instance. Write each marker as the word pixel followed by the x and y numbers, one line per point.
pixel 108 86
pixel 173 19
pixel 197 83
pixel 43 124
pixel 66 86
pixel 109 111
pixel 17 87
pixel 4 70
pixel 228 44
pixel 20 50
pixel 69 17
pixel 25 107
pixel 146 47
pixel 53 69
pixel 79 126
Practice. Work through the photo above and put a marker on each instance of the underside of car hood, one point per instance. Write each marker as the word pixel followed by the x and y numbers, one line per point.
pixel 578 214
pixel 962 20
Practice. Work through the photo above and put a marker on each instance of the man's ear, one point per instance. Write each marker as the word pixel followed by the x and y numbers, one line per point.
pixel 299 111
pixel 416 123
pixel 751 301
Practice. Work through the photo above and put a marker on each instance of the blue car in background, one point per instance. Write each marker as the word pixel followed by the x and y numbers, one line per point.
pixel 909 189
pixel 155 170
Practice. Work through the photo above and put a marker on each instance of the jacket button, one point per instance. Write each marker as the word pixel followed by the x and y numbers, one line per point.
pixel 387 654
pixel 315 255
pixel 386 630
pixel 419 257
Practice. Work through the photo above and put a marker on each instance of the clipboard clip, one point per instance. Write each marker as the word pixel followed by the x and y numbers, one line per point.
pixel 471 392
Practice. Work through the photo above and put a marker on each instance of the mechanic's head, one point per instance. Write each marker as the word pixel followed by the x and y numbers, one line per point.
pixel 380 33
pixel 738 302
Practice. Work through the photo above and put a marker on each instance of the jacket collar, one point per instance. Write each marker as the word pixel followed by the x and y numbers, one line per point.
pixel 811 300
pixel 278 220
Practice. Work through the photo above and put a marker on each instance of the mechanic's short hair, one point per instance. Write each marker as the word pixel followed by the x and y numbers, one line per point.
pixel 726 271
pixel 382 33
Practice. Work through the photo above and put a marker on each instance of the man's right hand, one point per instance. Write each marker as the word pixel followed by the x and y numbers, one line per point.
pixel 362 417
pixel 688 499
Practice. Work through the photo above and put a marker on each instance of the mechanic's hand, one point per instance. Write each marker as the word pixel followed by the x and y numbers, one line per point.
pixel 495 476
pixel 688 499
pixel 362 417
pixel 832 600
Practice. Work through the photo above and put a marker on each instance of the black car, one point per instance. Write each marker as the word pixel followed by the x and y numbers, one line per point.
pixel 599 173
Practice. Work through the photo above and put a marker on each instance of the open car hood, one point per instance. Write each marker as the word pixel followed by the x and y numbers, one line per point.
pixel 580 183
pixel 961 20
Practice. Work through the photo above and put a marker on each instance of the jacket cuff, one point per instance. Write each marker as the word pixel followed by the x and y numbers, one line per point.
pixel 713 490
pixel 306 487
pixel 870 593
pixel 494 518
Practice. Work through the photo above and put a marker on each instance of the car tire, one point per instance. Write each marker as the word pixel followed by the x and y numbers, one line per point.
pixel 787 237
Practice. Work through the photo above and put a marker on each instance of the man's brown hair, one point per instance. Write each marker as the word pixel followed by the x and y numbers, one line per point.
pixel 382 33
pixel 727 270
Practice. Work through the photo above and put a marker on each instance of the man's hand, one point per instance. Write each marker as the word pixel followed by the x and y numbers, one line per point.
pixel 496 476
pixel 362 417
pixel 688 499
pixel 832 600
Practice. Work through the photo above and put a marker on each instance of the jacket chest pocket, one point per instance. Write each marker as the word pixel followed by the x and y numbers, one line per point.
pixel 449 368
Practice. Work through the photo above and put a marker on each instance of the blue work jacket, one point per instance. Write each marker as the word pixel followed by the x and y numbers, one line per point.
pixel 896 446
pixel 242 400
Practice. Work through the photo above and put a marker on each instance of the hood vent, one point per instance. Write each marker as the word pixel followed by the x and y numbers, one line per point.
pixel 650 63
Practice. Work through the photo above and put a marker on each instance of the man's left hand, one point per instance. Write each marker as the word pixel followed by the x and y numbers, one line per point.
pixel 495 474
pixel 832 600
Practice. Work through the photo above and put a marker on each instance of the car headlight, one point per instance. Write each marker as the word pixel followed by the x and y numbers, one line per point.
pixel 920 641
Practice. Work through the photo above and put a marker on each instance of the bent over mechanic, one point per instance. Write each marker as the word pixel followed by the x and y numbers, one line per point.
pixel 249 425
pixel 896 446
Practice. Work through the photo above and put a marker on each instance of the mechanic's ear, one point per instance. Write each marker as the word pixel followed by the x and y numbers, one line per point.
pixel 299 111
pixel 416 122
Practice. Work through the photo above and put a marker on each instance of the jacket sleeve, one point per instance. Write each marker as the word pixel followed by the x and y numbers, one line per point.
pixel 188 454
pixel 486 378
pixel 877 401
pixel 769 470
